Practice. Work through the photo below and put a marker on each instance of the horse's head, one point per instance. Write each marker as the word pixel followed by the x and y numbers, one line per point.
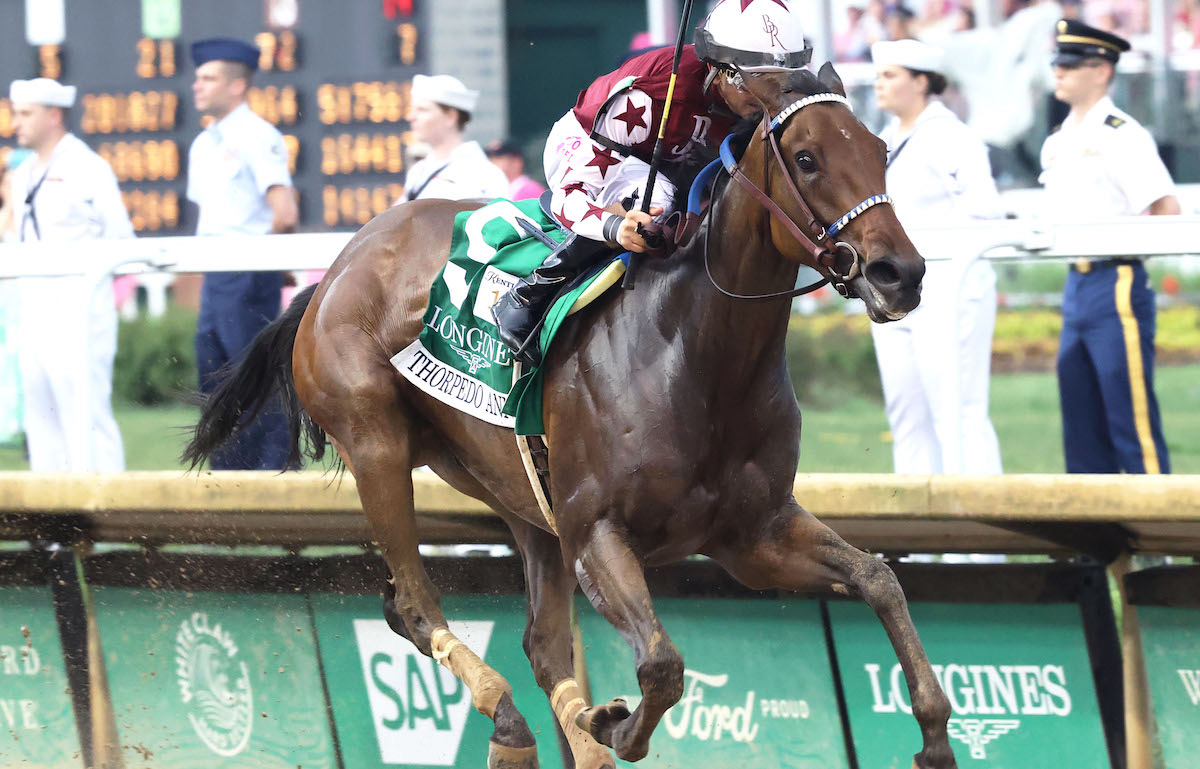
pixel 833 166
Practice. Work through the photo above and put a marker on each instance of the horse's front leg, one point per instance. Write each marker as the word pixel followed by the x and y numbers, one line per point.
pixel 611 576
pixel 795 551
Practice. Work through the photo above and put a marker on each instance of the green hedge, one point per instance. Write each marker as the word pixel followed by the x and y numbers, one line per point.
pixel 156 358
pixel 830 357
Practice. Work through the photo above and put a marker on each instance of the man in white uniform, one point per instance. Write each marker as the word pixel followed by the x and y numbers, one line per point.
pixel 238 176
pixel 1102 163
pixel 454 169
pixel 935 363
pixel 65 194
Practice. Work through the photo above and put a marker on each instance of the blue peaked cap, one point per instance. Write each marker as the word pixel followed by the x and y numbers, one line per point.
pixel 225 49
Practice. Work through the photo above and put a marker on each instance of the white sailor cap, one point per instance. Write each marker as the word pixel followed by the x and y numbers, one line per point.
pixel 445 90
pixel 42 90
pixel 911 54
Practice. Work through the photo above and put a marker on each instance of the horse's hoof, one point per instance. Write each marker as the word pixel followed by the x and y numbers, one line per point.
pixel 503 757
pixel 602 720
pixel 935 759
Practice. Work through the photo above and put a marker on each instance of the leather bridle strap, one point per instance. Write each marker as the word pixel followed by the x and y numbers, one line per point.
pixel 818 242
pixel 736 174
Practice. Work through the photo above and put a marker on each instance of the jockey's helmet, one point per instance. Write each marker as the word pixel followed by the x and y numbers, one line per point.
pixel 753 36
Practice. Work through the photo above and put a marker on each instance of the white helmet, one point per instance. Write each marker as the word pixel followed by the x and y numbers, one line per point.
pixel 753 35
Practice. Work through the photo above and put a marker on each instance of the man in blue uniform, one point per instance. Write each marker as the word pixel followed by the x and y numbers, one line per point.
pixel 1101 163
pixel 238 176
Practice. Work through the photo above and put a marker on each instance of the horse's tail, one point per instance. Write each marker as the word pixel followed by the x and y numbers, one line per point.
pixel 245 388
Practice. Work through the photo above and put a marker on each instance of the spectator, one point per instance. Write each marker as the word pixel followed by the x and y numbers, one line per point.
pixel 851 43
pixel 508 158
pixel 67 333
pixel 1102 163
pixel 872 22
pixel 455 169
pixel 238 176
pixel 898 23
pixel 1186 32
pixel 938 174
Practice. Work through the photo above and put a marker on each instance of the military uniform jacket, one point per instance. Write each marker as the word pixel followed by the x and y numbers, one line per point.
pixel 231 165
pixel 75 197
pixel 1102 166
pixel 467 173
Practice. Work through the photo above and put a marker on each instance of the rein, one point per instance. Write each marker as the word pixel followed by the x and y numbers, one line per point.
pixel 840 261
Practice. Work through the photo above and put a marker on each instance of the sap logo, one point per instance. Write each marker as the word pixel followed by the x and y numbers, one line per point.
pixel 1191 683
pixel 418 707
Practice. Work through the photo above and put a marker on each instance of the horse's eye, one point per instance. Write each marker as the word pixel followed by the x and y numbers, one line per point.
pixel 806 162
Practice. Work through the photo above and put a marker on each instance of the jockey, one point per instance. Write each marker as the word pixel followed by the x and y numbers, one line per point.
pixel 597 156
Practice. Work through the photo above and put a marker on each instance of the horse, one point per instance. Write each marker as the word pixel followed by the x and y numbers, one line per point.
pixel 672 425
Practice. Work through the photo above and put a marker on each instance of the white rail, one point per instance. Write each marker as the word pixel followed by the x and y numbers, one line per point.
pixel 1008 240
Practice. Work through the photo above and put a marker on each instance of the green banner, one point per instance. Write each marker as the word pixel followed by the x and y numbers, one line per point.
pixel 393 706
pixel 209 679
pixel 37 720
pixel 1018 677
pixel 758 687
pixel 1171 645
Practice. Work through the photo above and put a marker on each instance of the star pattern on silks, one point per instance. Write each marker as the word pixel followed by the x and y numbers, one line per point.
pixel 602 158
pixel 592 210
pixel 631 117
pixel 780 3
pixel 574 187
pixel 562 217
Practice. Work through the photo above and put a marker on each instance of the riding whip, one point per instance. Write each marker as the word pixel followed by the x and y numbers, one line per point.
pixel 653 239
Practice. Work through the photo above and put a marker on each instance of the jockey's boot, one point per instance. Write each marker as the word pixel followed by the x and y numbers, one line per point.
pixel 519 312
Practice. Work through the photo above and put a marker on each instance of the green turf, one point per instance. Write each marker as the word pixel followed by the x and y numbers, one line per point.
pixel 850 438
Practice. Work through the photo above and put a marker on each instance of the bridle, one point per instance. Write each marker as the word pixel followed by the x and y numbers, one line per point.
pixel 839 260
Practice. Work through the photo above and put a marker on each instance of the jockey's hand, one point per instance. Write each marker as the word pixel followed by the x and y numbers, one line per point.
pixel 627 235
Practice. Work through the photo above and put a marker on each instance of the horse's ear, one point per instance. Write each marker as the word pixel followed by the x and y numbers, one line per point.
pixel 829 78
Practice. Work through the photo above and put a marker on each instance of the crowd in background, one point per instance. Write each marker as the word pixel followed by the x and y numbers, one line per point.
pixel 869 21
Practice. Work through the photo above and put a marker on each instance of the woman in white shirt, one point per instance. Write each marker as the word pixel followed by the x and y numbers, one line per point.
pixel 938 174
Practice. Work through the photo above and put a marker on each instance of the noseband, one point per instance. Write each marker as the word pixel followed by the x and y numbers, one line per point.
pixel 839 261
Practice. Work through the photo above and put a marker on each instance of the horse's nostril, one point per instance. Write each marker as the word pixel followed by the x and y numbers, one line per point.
pixel 884 273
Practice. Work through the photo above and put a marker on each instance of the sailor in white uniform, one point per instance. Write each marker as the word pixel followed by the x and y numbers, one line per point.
pixel 938 174
pixel 454 169
pixel 65 193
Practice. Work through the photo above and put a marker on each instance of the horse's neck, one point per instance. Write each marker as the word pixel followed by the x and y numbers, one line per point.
pixel 741 340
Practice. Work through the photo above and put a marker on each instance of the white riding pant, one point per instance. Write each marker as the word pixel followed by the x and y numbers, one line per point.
pixel 916 365
pixel 67 344
pixel 565 160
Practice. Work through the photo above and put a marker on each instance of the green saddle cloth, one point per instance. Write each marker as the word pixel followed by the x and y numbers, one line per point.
pixel 458 357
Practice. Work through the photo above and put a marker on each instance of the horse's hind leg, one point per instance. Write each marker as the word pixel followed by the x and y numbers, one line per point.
pixel 797 552
pixel 612 577
pixel 550 587
pixel 374 432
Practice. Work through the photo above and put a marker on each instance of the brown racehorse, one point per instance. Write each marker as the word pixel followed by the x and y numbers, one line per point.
pixel 671 420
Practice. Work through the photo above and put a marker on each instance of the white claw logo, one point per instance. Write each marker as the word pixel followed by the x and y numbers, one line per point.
pixel 978 732
pixel 214 685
